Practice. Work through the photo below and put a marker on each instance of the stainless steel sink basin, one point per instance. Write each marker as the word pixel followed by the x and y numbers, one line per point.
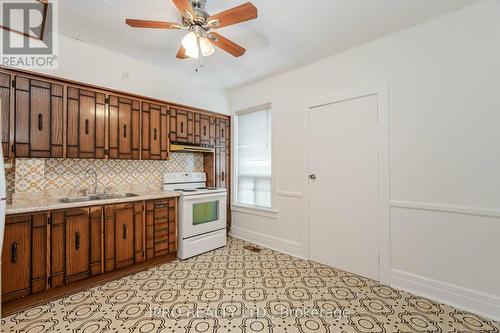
pixel 94 197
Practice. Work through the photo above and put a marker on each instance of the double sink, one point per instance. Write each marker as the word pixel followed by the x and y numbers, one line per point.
pixel 94 197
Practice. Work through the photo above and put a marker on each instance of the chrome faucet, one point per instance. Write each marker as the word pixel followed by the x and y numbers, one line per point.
pixel 94 173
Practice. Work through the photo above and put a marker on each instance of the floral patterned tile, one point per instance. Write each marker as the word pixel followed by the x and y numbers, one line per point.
pixel 235 290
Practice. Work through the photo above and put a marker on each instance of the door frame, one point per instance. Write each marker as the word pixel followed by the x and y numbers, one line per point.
pixel 384 224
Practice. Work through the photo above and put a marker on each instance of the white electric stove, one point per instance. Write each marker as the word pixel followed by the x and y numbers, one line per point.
pixel 202 213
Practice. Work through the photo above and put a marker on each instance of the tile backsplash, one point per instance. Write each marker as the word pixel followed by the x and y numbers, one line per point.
pixel 39 175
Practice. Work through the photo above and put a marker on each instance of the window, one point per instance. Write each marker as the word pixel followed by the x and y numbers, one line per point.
pixel 254 180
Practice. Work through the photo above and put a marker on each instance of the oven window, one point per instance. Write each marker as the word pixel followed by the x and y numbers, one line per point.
pixel 205 212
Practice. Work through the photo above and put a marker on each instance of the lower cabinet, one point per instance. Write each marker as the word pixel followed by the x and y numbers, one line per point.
pixel 24 256
pixel 123 230
pixel 161 227
pixel 75 245
pixel 47 250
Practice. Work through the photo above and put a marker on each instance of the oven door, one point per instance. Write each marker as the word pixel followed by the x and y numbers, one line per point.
pixel 202 214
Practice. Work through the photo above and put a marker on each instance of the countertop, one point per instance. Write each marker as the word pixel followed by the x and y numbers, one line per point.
pixel 42 201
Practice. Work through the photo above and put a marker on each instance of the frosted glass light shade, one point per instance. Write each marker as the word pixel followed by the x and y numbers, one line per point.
pixel 207 49
pixel 190 43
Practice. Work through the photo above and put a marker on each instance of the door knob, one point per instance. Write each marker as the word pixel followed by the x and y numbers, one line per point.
pixel 312 176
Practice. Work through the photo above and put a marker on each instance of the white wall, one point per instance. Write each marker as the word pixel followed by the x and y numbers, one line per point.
pixel 91 64
pixel 444 83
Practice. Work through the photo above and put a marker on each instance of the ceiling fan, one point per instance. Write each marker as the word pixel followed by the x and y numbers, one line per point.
pixel 200 40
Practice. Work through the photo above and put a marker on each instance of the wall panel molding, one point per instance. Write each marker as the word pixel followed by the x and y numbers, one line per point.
pixel 456 209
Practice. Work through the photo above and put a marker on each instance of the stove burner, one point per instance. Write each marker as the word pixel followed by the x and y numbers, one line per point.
pixel 207 188
pixel 184 190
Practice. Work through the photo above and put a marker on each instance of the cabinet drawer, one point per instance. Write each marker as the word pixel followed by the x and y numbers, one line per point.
pixel 161 245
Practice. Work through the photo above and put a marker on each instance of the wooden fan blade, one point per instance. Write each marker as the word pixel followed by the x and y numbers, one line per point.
pixel 242 13
pixel 227 45
pixel 184 6
pixel 152 24
pixel 181 54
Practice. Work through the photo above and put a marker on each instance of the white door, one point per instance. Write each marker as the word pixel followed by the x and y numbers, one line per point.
pixel 343 201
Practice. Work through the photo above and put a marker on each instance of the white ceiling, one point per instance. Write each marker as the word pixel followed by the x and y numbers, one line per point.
pixel 287 34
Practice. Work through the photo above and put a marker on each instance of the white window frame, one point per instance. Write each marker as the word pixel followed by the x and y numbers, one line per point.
pixel 250 209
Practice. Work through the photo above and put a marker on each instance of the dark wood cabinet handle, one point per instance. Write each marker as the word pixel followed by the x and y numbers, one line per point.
pixel 40 122
pixel 222 133
pixel 204 130
pixel 124 131
pixel 222 176
pixel 124 231
pixel 13 254
pixel 77 240
pixel 182 127
pixel 154 134
pixel 86 126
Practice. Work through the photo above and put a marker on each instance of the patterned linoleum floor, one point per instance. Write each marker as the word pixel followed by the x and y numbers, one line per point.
pixel 236 290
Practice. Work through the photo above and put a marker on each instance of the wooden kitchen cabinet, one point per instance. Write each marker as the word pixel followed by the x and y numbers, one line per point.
pixel 86 121
pixel 181 125
pixel 38 118
pixel 222 132
pixel 123 235
pixel 16 258
pixel 5 112
pixel 161 227
pixel 204 129
pixel 75 245
pixel 155 131
pixel 124 128
pixel 24 256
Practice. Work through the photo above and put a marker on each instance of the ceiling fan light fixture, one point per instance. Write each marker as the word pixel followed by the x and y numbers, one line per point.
pixel 207 49
pixel 190 43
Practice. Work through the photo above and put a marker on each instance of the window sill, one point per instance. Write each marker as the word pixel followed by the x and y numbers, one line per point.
pixel 253 210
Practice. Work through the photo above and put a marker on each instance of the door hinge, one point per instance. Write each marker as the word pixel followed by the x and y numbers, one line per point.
pixel 143 253
pixel 13 83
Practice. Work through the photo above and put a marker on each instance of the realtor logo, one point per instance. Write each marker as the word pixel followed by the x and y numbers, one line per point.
pixel 29 34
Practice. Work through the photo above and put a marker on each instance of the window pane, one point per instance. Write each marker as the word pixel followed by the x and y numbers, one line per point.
pixel 254 159
pixel 205 212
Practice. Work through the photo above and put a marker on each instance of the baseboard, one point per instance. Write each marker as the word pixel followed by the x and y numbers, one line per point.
pixel 292 248
pixel 462 298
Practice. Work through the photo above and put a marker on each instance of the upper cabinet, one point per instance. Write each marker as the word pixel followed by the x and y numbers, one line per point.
pixel 124 128
pixel 181 125
pixel 38 118
pixel 46 117
pixel 222 132
pixel 155 131
pixel 86 121
pixel 204 129
pixel 5 93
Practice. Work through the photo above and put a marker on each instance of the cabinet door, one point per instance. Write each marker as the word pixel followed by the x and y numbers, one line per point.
pixel 85 123
pixel 5 91
pixel 155 127
pixel 222 132
pixel 38 118
pixel 181 125
pixel 124 130
pixel 124 235
pixel 95 240
pixel 77 245
pixel 16 258
pixel 221 172
pixel 204 129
